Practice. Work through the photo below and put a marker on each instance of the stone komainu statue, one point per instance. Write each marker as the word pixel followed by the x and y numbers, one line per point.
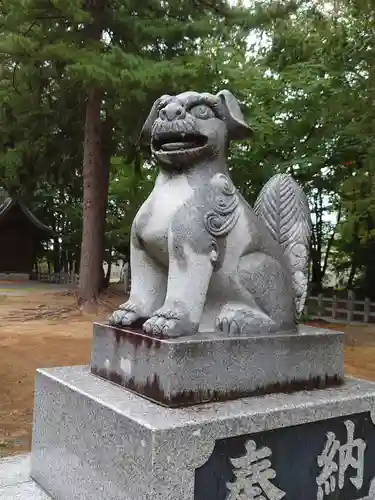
pixel 201 258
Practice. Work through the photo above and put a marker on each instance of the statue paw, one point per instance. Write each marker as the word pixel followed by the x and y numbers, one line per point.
pixel 126 315
pixel 158 326
pixel 234 321
pixel 168 323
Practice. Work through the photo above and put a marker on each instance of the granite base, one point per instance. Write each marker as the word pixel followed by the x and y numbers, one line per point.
pixel 94 440
pixel 209 367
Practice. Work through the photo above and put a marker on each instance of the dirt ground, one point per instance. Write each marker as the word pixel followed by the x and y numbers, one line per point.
pixel 42 329
pixel 37 330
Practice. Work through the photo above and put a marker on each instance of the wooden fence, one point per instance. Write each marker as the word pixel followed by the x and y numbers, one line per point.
pixel 71 278
pixel 334 307
pixel 58 278
pixel 339 308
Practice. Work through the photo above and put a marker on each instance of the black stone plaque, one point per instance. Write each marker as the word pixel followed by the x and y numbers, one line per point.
pixel 327 460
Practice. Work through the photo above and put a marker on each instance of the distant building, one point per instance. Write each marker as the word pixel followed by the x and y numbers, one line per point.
pixel 21 236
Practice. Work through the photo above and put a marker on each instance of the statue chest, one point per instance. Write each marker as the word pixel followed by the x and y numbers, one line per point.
pixel 154 219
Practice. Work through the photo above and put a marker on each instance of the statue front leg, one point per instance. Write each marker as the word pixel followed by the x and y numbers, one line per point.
pixel 190 272
pixel 148 287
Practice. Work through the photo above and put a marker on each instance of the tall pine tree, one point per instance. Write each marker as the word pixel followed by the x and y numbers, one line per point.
pixel 116 57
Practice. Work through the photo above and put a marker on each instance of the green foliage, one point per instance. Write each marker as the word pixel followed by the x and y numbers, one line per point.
pixel 49 61
pixel 127 191
pixel 309 87
pixel 305 77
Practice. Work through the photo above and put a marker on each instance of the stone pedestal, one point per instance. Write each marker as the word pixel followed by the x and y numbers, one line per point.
pixel 210 367
pixel 96 441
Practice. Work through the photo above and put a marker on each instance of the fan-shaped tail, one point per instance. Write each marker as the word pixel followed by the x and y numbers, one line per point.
pixel 283 207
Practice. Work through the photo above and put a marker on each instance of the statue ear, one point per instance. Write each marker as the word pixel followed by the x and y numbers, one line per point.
pixel 145 135
pixel 238 129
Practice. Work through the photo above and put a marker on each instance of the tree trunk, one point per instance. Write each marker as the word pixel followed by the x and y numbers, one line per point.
pixel 316 275
pixel 330 243
pixel 317 245
pixel 56 255
pixel 93 206
pixel 95 181
pixel 353 271
pixel 316 267
pixel 106 152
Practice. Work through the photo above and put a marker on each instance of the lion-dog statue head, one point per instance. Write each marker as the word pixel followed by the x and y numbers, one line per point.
pixel 185 129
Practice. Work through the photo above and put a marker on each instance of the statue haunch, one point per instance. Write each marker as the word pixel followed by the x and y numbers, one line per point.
pixel 201 258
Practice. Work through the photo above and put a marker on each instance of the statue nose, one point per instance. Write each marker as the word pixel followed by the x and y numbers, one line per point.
pixel 172 111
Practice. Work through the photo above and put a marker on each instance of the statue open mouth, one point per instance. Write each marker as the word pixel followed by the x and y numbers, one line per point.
pixel 178 141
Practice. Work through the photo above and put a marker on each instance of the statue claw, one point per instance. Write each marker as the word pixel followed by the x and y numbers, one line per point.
pixel 240 321
pixel 168 323
pixel 158 326
pixel 126 315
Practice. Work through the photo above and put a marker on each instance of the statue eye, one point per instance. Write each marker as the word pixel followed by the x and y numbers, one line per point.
pixel 202 111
